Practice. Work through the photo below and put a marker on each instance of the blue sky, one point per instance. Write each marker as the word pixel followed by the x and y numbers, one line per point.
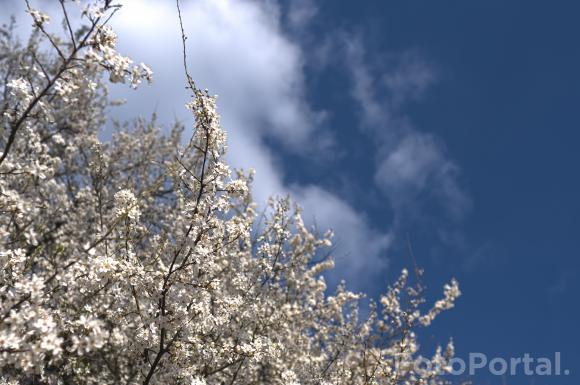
pixel 504 103
pixel 451 124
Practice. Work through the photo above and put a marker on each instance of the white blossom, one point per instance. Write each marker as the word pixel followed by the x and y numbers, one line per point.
pixel 126 205
pixel 20 90
pixel 38 17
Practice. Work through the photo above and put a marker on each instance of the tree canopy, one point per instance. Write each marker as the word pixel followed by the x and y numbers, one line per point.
pixel 143 259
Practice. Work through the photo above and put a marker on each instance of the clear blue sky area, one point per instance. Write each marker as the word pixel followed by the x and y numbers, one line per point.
pixel 506 105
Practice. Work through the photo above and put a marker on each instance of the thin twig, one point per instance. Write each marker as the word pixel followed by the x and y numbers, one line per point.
pixel 68 24
pixel 183 39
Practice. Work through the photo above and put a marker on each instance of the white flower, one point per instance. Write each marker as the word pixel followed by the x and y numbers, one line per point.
pixel 198 381
pixel 93 11
pixel 126 205
pixel 39 18
pixel 65 89
pixel 45 324
pixel 51 342
pixel 20 90
pixel 146 73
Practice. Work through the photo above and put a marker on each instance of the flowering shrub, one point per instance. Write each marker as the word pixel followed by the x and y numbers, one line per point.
pixel 141 261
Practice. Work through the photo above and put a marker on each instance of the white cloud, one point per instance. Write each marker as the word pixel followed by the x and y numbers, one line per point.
pixel 361 250
pixel 301 13
pixel 418 167
pixel 409 79
pixel 374 113
pixel 412 166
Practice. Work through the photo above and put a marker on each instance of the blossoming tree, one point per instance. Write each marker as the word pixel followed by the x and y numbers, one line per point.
pixel 142 261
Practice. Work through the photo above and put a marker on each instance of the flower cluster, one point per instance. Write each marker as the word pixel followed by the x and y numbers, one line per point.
pixel 120 67
pixel 38 17
pixel 126 205
pixel 20 90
